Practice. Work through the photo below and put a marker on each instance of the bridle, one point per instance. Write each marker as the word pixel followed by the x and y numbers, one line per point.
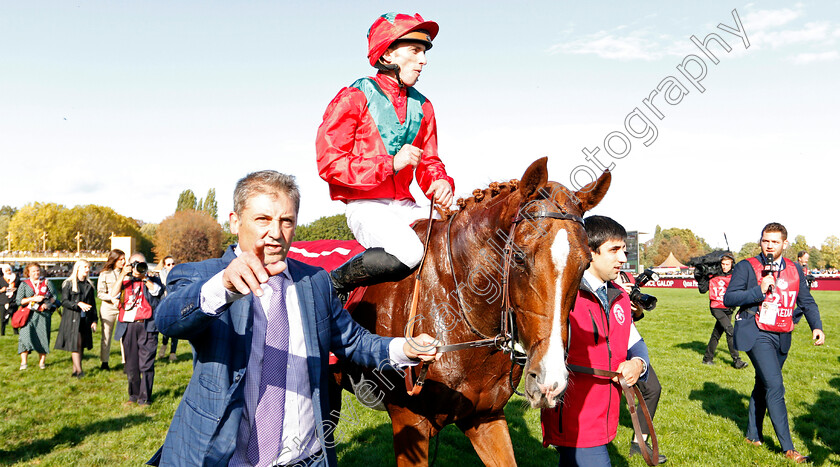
pixel 507 336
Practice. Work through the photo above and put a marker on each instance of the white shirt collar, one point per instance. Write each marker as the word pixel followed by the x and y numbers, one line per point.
pixel 593 282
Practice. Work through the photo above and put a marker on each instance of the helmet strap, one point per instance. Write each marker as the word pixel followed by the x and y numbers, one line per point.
pixel 390 68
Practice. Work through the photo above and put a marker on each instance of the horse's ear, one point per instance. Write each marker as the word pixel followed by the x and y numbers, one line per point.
pixel 534 178
pixel 593 193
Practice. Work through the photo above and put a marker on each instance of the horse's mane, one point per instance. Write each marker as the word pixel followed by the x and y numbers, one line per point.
pixel 478 195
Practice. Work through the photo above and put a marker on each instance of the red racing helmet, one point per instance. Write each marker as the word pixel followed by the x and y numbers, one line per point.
pixel 392 27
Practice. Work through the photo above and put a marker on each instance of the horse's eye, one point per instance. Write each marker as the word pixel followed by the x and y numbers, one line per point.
pixel 519 258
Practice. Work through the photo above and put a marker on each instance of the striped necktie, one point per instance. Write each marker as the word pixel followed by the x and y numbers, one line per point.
pixel 267 435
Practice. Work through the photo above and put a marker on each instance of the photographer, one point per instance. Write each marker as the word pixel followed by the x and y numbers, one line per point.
pixel 141 294
pixel 650 388
pixel 716 279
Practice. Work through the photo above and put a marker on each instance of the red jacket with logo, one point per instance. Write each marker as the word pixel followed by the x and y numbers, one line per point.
pixel 588 415
pixel 717 289
pixel 351 154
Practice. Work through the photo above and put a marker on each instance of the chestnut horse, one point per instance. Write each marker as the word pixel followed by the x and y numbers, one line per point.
pixel 461 300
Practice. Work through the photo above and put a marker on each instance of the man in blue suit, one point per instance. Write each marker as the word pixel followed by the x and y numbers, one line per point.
pixel 768 288
pixel 262 327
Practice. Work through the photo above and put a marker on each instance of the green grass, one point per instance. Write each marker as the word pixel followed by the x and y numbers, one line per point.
pixel 49 418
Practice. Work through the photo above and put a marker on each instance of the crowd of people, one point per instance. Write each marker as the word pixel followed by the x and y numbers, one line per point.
pixel 28 303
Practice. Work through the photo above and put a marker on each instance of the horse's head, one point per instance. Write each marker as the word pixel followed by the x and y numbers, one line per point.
pixel 551 253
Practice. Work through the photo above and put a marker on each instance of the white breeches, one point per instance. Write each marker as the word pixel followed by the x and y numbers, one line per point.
pixel 386 223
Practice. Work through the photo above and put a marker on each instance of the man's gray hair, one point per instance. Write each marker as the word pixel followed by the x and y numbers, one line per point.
pixel 268 182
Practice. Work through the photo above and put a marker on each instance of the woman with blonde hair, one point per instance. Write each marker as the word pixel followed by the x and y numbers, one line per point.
pixel 75 333
pixel 34 294
pixel 108 289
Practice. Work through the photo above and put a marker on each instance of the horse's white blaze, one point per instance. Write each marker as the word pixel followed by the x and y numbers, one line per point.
pixel 554 363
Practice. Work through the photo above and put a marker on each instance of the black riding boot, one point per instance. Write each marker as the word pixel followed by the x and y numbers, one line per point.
pixel 372 266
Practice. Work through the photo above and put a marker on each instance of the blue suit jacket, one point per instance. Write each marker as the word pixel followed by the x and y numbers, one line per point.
pixel 744 291
pixel 204 428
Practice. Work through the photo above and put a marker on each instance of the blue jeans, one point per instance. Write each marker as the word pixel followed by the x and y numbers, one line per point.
pixel 597 456
pixel 769 392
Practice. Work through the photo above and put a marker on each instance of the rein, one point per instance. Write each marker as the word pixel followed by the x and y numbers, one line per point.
pixel 414 388
pixel 630 394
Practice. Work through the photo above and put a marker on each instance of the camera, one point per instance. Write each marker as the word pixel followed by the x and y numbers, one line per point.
pixel 139 267
pixel 809 278
pixel 642 300
pixel 708 266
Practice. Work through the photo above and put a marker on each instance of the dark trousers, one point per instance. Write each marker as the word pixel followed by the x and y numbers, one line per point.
pixel 139 347
pixel 651 391
pixel 597 456
pixel 165 340
pixel 768 395
pixel 723 325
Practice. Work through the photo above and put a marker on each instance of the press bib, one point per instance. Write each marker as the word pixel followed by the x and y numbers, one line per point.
pixel 775 314
pixel 717 288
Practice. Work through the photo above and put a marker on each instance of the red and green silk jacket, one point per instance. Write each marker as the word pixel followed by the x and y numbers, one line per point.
pixel 364 126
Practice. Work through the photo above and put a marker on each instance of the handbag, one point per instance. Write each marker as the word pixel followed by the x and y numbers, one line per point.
pixel 21 317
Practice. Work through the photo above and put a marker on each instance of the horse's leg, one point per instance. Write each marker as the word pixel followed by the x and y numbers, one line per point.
pixel 490 439
pixel 411 437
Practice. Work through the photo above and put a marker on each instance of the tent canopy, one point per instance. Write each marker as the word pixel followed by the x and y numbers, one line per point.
pixel 672 262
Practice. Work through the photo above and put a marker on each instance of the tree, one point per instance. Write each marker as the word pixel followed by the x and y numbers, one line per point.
pixel 189 236
pixel 830 252
pixel 332 227
pixel 98 223
pixel 799 244
pixel 210 206
pixel 33 220
pixel 748 250
pixel 682 242
pixel 6 214
pixel 228 238
pixel 149 230
pixel 186 201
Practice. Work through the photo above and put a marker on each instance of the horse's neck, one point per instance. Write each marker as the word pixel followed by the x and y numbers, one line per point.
pixel 478 244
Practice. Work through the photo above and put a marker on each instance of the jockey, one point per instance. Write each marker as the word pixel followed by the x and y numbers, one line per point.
pixel 376 136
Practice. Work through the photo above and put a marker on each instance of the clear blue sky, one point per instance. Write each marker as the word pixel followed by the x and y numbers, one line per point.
pixel 126 104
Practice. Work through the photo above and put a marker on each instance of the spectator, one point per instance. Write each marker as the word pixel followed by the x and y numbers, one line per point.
pixel 136 327
pixel 78 299
pixel 9 283
pixel 108 290
pixel 164 267
pixel 34 294
pixel 803 257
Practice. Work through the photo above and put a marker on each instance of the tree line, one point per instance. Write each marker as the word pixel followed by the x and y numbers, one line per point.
pixel 191 233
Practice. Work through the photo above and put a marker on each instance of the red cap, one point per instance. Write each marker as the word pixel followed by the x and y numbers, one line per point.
pixel 391 27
